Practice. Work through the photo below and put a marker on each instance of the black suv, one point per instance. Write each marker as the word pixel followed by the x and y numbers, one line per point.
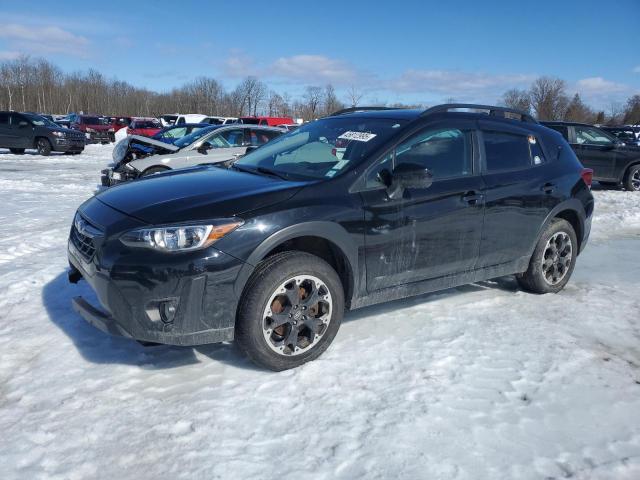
pixel 613 162
pixel 20 131
pixel 364 206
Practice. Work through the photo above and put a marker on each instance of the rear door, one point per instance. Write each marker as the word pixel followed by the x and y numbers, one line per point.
pixel 596 150
pixel 519 193
pixel 6 140
pixel 428 232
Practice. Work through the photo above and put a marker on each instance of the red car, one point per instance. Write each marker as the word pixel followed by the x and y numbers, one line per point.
pixel 96 129
pixel 271 121
pixel 120 122
pixel 147 127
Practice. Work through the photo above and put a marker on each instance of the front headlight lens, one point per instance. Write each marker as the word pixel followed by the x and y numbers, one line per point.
pixel 179 238
pixel 89 129
pixel 59 134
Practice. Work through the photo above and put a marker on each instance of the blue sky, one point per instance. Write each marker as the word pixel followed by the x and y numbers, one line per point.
pixel 411 51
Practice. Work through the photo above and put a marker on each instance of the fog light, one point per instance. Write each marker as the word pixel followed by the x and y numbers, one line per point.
pixel 168 310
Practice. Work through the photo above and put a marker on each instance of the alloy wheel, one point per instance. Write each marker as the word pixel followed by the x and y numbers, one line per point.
pixel 297 315
pixel 556 260
pixel 635 180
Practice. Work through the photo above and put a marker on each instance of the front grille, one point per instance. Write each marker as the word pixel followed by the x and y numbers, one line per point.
pixel 83 237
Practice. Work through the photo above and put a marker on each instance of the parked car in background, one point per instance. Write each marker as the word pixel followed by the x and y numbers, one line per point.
pixel 134 146
pixel 168 120
pixel 271 251
pixel 271 121
pixel 95 128
pixel 190 118
pixel 210 145
pixel 613 162
pixel 21 131
pixel 62 120
pixel 144 126
pixel 118 123
pixel 628 134
pixel 219 120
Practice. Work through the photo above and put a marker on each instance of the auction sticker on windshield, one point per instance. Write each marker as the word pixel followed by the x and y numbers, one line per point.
pixel 357 136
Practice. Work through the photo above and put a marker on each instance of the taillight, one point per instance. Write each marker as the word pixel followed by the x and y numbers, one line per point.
pixel 587 176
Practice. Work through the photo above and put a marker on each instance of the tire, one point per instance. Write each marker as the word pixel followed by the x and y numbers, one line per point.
pixel 632 179
pixel 17 151
pixel 549 268
pixel 154 170
pixel 43 146
pixel 278 282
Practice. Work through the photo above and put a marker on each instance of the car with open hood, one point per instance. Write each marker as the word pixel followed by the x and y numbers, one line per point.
pixel 209 145
pixel 270 251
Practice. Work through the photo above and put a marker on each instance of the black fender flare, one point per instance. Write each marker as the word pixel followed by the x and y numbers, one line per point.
pixel 572 204
pixel 623 171
pixel 330 231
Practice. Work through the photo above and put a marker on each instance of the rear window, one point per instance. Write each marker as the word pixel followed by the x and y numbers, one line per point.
pixel 506 151
pixel 250 121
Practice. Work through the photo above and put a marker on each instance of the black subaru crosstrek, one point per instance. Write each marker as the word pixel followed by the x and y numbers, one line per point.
pixel 364 206
pixel 20 131
pixel 613 161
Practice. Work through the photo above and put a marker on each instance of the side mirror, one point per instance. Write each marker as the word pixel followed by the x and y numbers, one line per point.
pixel 205 147
pixel 250 148
pixel 23 124
pixel 408 175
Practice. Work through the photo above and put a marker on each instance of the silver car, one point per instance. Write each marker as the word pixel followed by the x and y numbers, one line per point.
pixel 209 145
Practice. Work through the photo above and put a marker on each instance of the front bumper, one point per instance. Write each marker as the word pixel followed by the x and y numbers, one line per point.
pixel 133 284
pixel 99 137
pixel 68 144
pixel 110 177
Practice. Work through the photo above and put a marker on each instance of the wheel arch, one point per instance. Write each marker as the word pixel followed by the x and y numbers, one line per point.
pixel 38 137
pixel 573 212
pixel 627 168
pixel 326 240
pixel 164 168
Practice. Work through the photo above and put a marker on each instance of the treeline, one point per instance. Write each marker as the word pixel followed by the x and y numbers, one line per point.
pixel 547 99
pixel 33 84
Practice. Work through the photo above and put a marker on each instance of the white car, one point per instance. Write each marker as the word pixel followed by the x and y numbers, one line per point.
pixel 209 145
pixel 219 120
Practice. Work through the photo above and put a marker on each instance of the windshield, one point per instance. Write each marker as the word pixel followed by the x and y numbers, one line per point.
pixel 193 136
pixel 324 148
pixel 94 121
pixel 39 121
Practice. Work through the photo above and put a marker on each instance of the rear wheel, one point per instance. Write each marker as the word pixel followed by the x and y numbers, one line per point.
pixel 290 311
pixel 153 171
pixel 43 146
pixel 17 151
pixel 553 259
pixel 632 179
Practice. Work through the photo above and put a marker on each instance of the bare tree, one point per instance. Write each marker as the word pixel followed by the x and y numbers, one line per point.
pixel 632 110
pixel 312 97
pixel 330 101
pixel 577 111
pixel 354 95
pixel 517 99
pixel 548 98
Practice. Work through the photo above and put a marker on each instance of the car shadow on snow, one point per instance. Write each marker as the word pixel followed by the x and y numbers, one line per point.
pixel 102 348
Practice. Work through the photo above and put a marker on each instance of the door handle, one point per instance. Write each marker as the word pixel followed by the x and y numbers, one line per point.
pixel 472 197
pixel 548 188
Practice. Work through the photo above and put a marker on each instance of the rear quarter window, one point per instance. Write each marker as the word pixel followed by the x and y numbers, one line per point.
pixel 506 151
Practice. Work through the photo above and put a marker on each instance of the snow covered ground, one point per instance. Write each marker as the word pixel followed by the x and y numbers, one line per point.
pixel 478 382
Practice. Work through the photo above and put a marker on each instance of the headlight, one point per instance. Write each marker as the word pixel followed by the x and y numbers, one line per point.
pixel 179 238
pixel 90 130
pixel 111 130
pixel 59 134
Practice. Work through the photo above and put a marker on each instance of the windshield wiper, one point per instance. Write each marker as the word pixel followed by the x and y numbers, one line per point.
pixel 258 170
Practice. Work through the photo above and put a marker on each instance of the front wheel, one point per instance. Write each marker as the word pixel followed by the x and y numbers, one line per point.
pixel 632 179
pixel 43 146
pixel 290 311
pixel 553 259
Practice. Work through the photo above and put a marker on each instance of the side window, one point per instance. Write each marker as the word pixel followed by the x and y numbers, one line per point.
pixel 4 119
pixel 235 138
pixel 16 119
pixel 181 121
pixel 175 133
pixel 260 137
pixel 218 142
pixel 447 152
pixel 591 136
pixel 506 151
pixel 564 131
pixel 537 155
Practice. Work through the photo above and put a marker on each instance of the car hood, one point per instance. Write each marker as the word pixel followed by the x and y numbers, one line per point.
pixel 196 194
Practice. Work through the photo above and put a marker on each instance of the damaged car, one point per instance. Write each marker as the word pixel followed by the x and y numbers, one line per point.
pixel 213 144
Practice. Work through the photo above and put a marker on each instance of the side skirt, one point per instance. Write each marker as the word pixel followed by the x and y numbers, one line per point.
pixel 441 283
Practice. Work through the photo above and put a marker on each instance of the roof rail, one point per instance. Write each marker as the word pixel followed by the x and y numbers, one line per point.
pixel 360 109
pixel 492 110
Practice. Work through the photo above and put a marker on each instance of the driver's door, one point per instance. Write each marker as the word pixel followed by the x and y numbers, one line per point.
pixel 228 145
pixel 595 150
pixel 432 232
